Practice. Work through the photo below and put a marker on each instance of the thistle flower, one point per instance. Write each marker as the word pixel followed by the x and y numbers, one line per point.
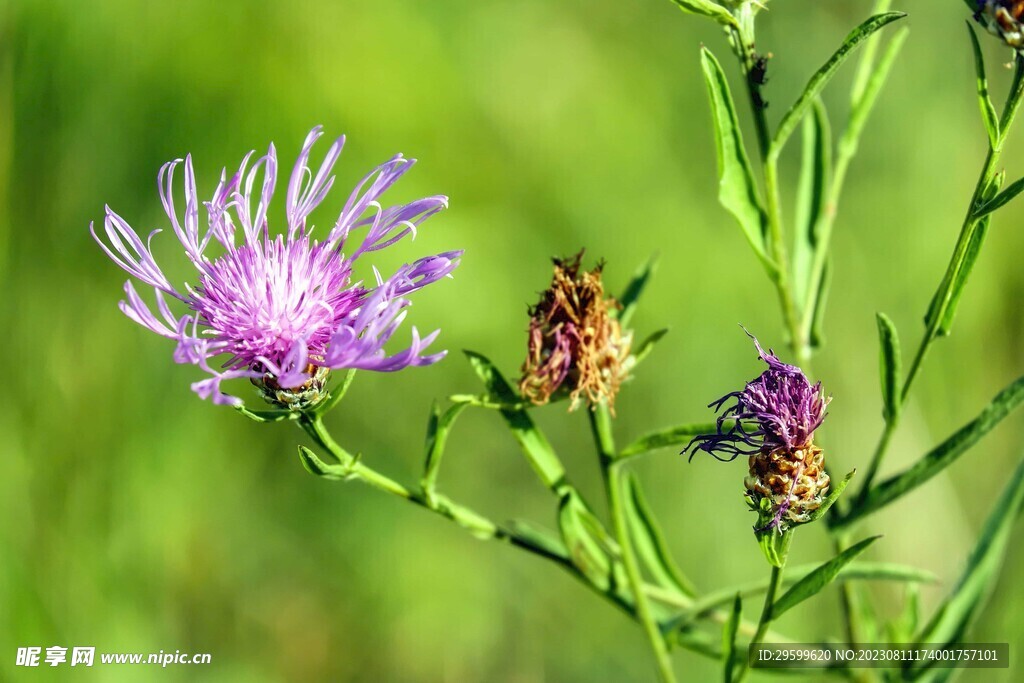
pixel 282 310
pixel 575 345
pixel 772 420
pixel 1003 18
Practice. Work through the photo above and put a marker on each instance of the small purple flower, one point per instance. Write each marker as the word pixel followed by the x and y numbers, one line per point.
pixel 778 409
pixel 773 420
pixel 281 309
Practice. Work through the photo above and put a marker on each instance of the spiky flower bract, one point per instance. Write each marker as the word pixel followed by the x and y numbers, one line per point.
pixel 281 309
pixel 575 345
pixel 772 420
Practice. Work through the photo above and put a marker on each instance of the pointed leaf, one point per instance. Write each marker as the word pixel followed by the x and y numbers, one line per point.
pixel 647 345
pixel 855 571
pixel 821 78
pixel 729 631
pixel 707 8
pixel 590 548
pixel 988 110
pixel 812 187
pixel 736 189
pixel 534 444
pixel 865 66
pixel 940 457
pixel 890 367
pixel 959 610
pixel 833 496
pixel 631 295
pixel 1001 199
pixel 314 465
pixel 812 584
pixel 650 542
pixel 437 436
pixel 665 438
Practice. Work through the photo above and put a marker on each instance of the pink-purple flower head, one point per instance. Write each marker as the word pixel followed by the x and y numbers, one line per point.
pixel 283 307
pixel 778 410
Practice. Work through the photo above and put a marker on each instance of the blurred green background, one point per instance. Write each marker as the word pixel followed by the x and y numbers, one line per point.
pixel 136 517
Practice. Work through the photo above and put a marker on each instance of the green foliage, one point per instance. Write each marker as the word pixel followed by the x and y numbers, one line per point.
pixel 737 191
pixel 650 541
pixel 824 74
pixel 707 8
pixel 940 457
pixel 890 367
pixel 534 444
pixel 818 579
pixel 956 613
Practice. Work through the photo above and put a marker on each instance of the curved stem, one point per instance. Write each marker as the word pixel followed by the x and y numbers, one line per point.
pixel 600 421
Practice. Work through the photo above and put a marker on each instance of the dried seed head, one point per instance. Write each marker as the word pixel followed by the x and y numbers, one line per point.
pixel 794 483
pixel 574 344
pixel 1003 18
pixel 302 397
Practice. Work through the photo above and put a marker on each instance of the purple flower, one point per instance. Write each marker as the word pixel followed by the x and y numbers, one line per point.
pixel 281 307
pixel 773 420
pixel 778 409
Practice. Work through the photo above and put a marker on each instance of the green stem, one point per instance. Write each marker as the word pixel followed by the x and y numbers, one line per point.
pixel 774 581
pixel 743 45
pixel 943 297
pixel 601 424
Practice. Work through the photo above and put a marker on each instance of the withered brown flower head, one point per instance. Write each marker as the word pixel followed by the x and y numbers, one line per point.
pixel 575 344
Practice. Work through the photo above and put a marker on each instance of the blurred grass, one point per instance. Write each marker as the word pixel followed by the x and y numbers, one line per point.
pixel 138 518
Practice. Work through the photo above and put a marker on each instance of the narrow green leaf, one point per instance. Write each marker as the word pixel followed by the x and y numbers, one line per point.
pixel 631 295
pixel 890 367
pixel 855 571
pixel 314 465
pixel 665 438
pixel 863 105
pixel 821 78
pixel 647 345
pixel 729 631
pixel 650 542
pixel 940 457
pixel 988 110
pixel 591 549
pixel 812 584
pixel 1001 199
pixel 736 189
pixel 824 285
pixel 968 597
pixel 708 8
pixel 865 65
pixel 812 187
pixel 534 444
pixel 437 435
pixel 833 496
